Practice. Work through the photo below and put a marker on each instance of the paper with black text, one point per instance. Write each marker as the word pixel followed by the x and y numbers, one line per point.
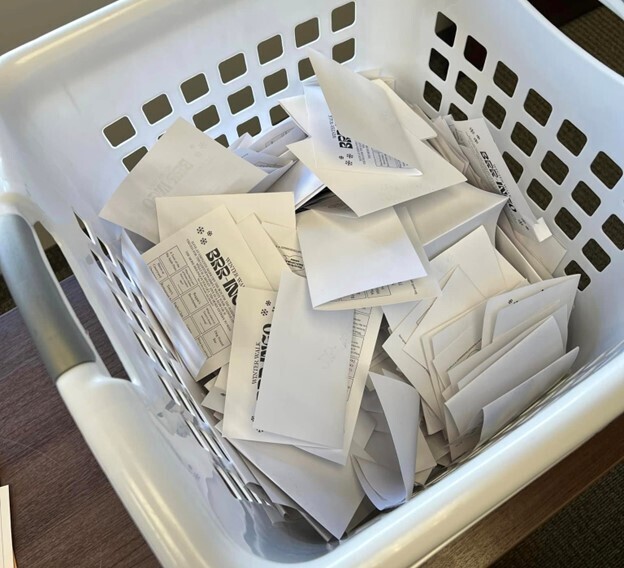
pixel 366 194
pixel 346 256
pixel 534 353
pixel 304 386
pixel 201 268
pixel 479 147
pixel 382 129
pixel 500 412
pixel 329 492
pixel 336 150
pixel 287 242
pixel 174 213
pixel 183 162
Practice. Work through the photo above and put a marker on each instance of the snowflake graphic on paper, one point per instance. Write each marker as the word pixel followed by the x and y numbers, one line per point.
pixel 264 312
pixel 350 156
pixel 348 162
pixel 267 303
pixel 203 241
pixel 341 157
pixel 209 233
pixel 200 230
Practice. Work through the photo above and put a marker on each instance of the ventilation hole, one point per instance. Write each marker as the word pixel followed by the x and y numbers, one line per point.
pixel 232 68
pixel 457 113
pixel 343 17
pixel 307 32
pixel 466 87
pixel 523 138
pixel 138 302
pixel 494 112
pixel 144 346
pixel 538 107
pixel 596 255
pixel 119 132
pixel 194 88
pixel 567 223
pixel 83 227
pixel 305 69
pixel 344 51
pixel 222 140
pixel 554 167
pixel 438 64
pixel 445 29
pixel 571 137
pixel 505 79
pixel 251 126
pixel 106 251
pixel 171 392
pixel 275 82
pixel 574 268
pixel 131 160
pixel 99 263
pixel 432 96
pixel 270 49
pixel 539 194
pixel 207 118
pixel 587 200
pixel 514 166
pixel 241 100
pixel 277 114
pixel 614 229
pixel 606 170
pixel 157 109
pixel 122 287
pixel 475 53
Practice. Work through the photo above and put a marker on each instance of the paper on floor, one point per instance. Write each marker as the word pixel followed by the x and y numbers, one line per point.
pixel 304 386
pixel 6 539
pixel 183 162
pixel 175 213
pixel 201 268
pixel 346 256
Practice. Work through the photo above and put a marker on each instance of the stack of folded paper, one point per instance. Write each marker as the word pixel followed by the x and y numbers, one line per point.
pixel 361 315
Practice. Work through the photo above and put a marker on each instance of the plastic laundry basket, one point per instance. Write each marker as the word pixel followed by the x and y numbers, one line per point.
pixel 80 106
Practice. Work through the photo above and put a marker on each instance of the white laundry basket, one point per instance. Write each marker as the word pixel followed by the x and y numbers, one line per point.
pixel 80 106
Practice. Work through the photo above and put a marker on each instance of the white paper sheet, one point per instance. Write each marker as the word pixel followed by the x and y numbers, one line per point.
pixel 329 492
pixel 538 350
pixel 444 217
pixel 174 213
pixel 335 150
pixel 6 539
pixel 382 129
pixel 546 293
pixel 276 139
pixel 215 400
pixel 366 194
pixel 479 147
pixel 264 250
pixel 301 182
pixel 476 256
pixel 304 385
pixel 513 255
pixel 201 268
pixel 504 409
pixel 346 256
pixel 183 162
pixel 425 461
pixel 458 295
pixel 287 242
pixel 549 252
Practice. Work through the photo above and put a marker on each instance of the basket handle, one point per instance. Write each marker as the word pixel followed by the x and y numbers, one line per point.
pixel 58 337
